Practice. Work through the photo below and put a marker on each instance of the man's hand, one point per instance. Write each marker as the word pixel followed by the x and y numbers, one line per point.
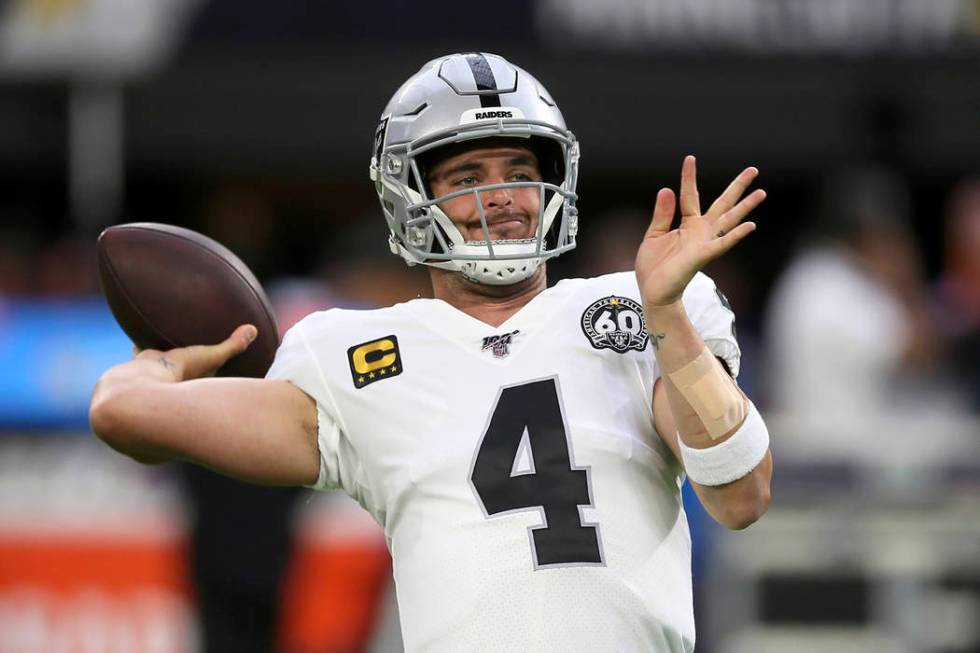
pixel 668 258
pixel 199 361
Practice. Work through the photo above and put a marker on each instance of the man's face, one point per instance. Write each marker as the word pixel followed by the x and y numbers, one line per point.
pixel 511 213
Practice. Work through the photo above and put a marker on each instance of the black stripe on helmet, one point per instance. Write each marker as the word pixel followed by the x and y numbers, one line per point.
pixel 484 78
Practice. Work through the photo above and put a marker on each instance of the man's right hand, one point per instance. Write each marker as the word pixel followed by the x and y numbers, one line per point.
pixel 200 361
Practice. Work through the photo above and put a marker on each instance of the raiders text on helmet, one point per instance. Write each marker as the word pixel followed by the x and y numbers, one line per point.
pixel 458 98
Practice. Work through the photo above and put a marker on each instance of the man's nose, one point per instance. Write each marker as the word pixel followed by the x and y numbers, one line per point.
pixel 496 197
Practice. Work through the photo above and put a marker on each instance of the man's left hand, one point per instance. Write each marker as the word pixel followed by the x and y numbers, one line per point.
pixel 669 258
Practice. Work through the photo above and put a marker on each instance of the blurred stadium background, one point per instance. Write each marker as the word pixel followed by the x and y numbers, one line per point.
pixel 858 298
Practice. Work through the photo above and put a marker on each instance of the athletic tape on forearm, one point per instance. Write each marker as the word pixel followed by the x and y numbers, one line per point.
pixel 711 393
pixel 732 459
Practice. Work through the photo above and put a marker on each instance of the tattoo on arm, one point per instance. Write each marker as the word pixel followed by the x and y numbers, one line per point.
pixel 655 338
pixel 167 364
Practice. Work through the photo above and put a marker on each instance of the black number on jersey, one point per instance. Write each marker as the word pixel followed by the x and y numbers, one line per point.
pixel 550 483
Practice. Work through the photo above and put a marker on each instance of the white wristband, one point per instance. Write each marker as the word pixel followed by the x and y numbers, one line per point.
pixel 733 458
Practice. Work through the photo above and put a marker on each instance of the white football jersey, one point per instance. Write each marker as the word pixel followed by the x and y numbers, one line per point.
pixel 528 503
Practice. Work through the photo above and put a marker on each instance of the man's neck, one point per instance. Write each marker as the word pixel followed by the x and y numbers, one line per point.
pixel 490 304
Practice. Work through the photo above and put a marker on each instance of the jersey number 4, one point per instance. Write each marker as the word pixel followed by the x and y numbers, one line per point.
pixel 527 424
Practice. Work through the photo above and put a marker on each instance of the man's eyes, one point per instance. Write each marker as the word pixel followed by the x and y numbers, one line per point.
pixel 471 180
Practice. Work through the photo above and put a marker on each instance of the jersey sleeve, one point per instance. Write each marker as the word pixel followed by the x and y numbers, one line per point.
pixel 295 362
pixel 713 317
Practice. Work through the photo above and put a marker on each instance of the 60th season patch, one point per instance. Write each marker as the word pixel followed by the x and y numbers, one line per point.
pixel 615 323
pixel 374 360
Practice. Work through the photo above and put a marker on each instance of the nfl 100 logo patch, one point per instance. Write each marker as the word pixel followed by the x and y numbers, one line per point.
pixel 615 323
pixel 500 344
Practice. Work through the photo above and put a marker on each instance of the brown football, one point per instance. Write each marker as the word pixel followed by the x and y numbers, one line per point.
pixel 172 287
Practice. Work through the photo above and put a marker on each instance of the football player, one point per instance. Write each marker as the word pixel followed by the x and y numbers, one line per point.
pixel 522 446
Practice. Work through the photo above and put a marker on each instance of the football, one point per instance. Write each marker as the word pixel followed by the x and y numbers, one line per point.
pixel 172 287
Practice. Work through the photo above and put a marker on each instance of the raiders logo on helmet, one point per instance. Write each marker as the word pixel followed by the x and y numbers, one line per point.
pixel 615 323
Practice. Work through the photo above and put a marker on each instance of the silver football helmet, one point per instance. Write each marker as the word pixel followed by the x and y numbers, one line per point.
pixel 463 97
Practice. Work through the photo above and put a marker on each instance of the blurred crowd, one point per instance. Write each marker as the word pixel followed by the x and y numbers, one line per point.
pixel 868 359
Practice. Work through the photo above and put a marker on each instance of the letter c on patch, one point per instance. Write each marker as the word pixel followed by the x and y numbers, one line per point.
pixel 384 354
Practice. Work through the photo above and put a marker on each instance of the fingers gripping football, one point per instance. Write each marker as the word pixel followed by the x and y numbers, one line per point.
pixel 186 363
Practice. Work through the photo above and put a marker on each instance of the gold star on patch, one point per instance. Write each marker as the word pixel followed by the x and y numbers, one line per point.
pixel 360 379
pixel 371 375
pixel 394 368
pixel 613 301
pixel 383 372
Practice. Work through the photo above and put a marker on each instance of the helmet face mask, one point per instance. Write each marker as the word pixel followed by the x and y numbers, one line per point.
pixel 451 103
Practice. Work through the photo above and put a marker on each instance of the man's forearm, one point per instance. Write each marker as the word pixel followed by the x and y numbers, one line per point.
pixel 676 342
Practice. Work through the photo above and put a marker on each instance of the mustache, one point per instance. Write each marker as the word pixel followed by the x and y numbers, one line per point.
pixel 496 217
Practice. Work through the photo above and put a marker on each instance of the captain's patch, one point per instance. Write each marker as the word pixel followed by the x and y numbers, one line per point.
pixel 374 360
pixel 615 323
